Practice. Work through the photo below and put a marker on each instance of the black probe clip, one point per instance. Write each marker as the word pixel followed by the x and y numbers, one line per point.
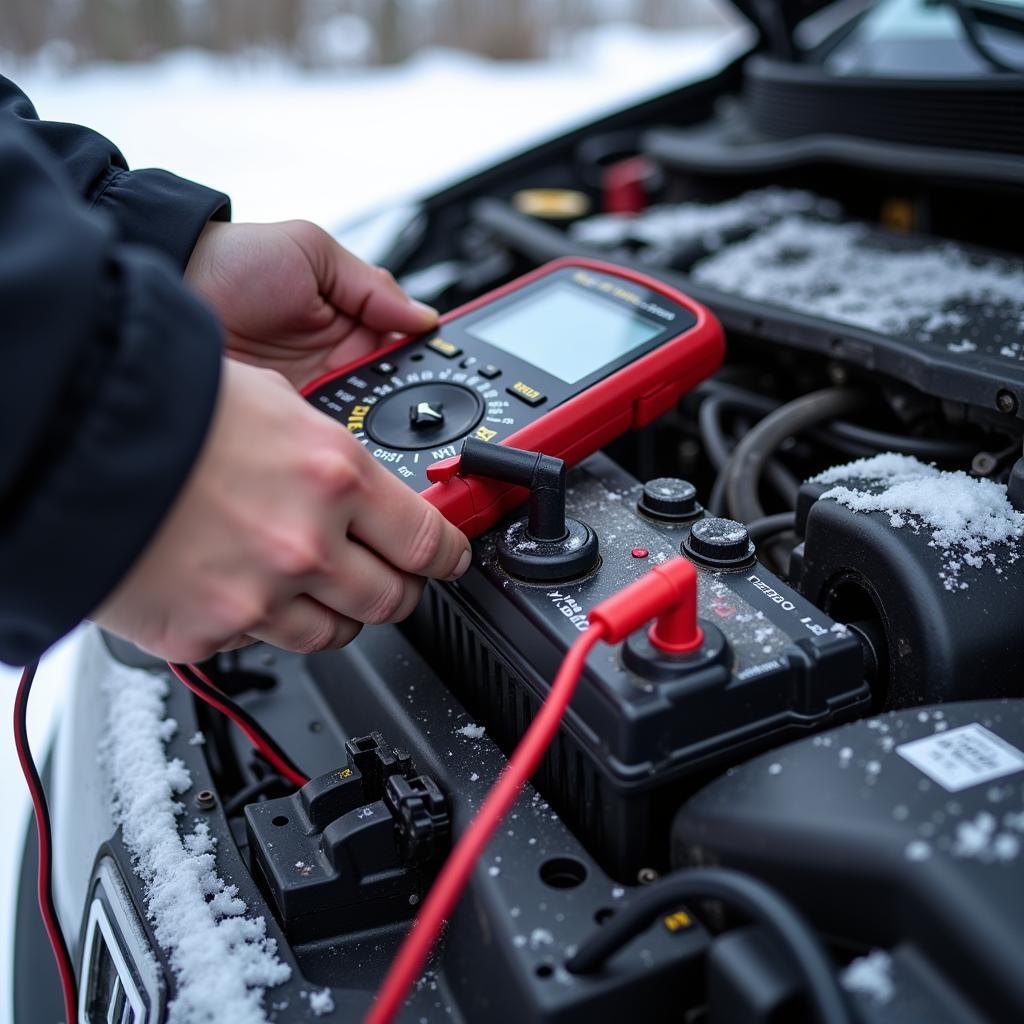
pixel 546 546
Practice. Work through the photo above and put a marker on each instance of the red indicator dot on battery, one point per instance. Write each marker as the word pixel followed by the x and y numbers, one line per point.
pixel 640 552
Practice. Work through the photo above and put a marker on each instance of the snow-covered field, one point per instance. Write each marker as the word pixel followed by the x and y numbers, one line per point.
pixel 326 147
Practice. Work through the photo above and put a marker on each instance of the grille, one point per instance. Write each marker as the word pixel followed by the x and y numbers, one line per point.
pixel 110 995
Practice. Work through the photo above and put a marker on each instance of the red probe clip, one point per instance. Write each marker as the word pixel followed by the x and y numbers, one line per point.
pixel 667 594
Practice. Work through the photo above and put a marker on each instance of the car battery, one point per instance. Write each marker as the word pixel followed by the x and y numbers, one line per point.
pixel 643 729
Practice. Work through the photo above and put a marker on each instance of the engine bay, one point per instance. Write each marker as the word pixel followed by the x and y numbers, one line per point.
pixel 849 486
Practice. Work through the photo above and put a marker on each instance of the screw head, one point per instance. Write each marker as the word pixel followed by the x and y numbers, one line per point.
pixel 647 875
pixel 1006 401
pixel 206 799
pixel 983 463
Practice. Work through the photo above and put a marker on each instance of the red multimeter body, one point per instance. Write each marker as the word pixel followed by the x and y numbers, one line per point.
pixel 562 360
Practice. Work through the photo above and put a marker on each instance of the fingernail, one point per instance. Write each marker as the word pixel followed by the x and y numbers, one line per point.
pixel 460 569
pixel 428 311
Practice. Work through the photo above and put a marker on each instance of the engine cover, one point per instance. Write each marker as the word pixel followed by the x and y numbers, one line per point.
pixel 937 608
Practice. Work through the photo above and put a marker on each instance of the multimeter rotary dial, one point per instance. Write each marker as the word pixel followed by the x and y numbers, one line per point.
pixel 424 416
pixel 411 416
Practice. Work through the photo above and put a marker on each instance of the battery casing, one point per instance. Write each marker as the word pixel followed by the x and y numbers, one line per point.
pixel 631 744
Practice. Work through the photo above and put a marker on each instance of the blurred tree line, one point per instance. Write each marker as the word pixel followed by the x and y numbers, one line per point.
pixel 319 32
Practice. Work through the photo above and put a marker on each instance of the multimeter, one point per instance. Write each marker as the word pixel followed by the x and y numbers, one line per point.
pixel 562 361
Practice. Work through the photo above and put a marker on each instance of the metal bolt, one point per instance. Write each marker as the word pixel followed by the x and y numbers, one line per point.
pixel 1006 401
pixel 646 875
pixel 983 463
pixel 413 899
pixel 206 800
pixel 838 374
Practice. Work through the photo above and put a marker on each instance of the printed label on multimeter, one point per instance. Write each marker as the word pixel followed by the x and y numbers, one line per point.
pixel 555 356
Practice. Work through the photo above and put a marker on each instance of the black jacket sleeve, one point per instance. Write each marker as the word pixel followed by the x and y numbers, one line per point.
pixel 150 207
pixel 109 370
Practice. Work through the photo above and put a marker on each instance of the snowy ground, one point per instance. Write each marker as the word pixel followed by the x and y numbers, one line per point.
pixel 326 147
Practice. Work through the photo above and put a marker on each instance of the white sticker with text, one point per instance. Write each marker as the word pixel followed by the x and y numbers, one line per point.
pixel 963 757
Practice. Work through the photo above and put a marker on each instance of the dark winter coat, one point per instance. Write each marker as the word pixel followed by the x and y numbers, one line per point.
pixel 108 366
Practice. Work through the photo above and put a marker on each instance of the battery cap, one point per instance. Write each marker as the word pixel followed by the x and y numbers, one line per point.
pixel 720 543
pixel 670 499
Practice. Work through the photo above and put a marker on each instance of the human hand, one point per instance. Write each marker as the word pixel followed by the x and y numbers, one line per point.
pixel 293 300
pixel 287 531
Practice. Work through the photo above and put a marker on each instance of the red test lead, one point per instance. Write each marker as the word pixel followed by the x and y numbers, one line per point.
pixel 665 588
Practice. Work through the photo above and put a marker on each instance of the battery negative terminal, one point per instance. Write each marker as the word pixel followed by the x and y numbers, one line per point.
pixel 546 546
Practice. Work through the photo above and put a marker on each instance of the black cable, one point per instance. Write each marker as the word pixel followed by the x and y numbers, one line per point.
pixel 742 892
pixel 768 526
pixel 743 473
pixel 929 448
pixel 250 793
pixel 709 426
pixel 867 439
pixel 719 450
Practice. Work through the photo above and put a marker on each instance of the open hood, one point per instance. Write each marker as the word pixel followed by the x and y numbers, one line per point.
pixel 776 20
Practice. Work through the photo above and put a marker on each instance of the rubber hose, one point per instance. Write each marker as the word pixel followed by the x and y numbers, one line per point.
pixel 743 474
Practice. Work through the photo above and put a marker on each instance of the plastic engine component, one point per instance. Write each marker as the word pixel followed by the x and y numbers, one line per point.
pixel 354 848
pixel 938 626
pixel 917 812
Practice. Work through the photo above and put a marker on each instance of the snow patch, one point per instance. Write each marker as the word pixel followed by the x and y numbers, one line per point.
pixel 968 519
pixel 222 959
pixel 472 732
pixel 850 273
pixel 870 976
pixel 321 1002
pixel 667 227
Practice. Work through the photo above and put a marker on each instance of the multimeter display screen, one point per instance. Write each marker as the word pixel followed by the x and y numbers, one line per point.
pixel 565 331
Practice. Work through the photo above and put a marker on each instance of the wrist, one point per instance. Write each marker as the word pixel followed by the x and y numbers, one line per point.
pixel 198 260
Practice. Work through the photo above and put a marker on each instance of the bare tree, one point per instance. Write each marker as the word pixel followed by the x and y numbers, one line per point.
pixel 138 29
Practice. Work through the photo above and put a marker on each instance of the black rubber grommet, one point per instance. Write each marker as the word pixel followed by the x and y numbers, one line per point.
pixel 547 561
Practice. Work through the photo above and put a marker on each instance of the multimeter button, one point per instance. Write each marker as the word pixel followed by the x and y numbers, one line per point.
pixel 446 348
pixel 490 371
pixel 531 396
pixel 386 369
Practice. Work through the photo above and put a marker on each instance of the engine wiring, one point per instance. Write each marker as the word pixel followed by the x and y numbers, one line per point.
pixel 203 687
pixel 752 898
pixel 208 691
